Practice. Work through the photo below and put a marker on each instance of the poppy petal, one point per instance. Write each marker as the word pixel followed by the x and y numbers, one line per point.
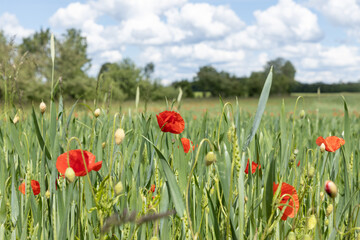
pixel 290 190
pixel 95 166
pixel 170 121
pixel 320 140
pixel 186 144
pixel 332 144
pixel 253 167
pixel 77 162
pixel 34 185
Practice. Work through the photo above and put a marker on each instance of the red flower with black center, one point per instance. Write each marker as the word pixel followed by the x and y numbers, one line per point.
pixel 286 190
pixel 254 166
pixel 171 122
pixel 77 162
pixel 34 185
pixel 186 144
pixel 331 143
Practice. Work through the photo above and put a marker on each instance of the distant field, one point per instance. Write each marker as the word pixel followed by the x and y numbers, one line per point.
pixel 328 104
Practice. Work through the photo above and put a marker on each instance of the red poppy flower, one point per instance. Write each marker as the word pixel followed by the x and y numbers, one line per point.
pixel 34 185
pixel 152 188
pixel 253 167
pixel 77 162
pixel 186 144
pixel 298 164
pixel 332 143
pixel 290 210
pixel 171 122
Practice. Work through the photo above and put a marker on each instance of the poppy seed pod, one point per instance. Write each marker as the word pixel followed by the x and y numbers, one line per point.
pixel 97 112
pixel 330 188
pixel 291 236
pixel 210 158
pixel 70 174
pixel 302 114
pixel 42 107
pixel 118 188
pixel 322 147
pixel 47 194
pixel 119 136
pixel 307 237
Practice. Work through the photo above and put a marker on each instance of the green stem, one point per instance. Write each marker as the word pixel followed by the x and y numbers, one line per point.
pixel 188 184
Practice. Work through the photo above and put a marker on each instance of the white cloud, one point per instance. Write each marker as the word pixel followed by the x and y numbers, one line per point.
pixel 74 15
pixel 341 12
pixel 111 56
pixel 204 21
pixel 125 9
pixel 12 28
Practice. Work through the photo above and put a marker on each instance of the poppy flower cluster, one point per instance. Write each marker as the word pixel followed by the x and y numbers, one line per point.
pixel 170 121
pixel 34 185
pixel 286 191
pixel 77 163
pixel 254 166
pixel 331 143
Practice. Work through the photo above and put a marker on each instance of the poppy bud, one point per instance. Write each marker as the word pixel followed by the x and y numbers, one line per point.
pixel 311 172
pixel 103 145
pixel 97 112
pixel 322 196
pixel 291 236
pixel 70 174
pixel 119 136
pixel 47 194
pixel 311 222
pixel 210 158
pixel 16 119
pixel 329 209
pixel 326 222
pixel 322 147
pixel 296 151
pixel 330 188
pixel 302 114
pixel 42 107
pixel 118 188
pixel 245 199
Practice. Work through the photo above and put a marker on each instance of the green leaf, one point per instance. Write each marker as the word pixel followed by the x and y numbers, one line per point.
pixel 260 109
pixel 171 181
pixel 38 134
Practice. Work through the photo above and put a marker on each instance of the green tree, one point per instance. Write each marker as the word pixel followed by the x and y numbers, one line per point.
pixel 186 87
pixel 122 77
pixel 72 63
pixel 284 75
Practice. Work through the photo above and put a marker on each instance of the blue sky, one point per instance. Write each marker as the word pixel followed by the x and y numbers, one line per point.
pixel 320 37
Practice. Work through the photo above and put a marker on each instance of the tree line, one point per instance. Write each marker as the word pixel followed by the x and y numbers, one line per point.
pixel 25 74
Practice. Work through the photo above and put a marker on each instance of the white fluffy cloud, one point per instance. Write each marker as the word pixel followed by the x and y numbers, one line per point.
pixel 278 25
pixel 341 12
pixel 12 28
